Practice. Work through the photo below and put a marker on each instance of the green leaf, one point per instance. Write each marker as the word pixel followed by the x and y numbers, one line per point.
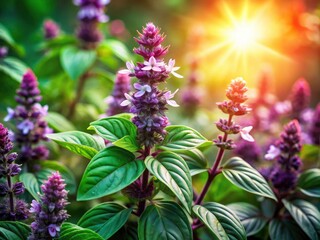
pixel 241 174
pixel 47 167
pixel 309 182
pixel 182 138
pixel 59 123
pixel 172 171
pixel 210 221
pixel 195 160
pixel 105 219
pixel 229 221
pixel 165 220
pixel 113 128
pixel 5 35
pixel 116 47
pixel 71 231
pixel 79 142
pixel 250 217
pixel 310 153
pixel 49 65
pixel 285 230
pixel 30 183
pixel 127 142
pixel 13 67
pixel 127 116
pixel 76 62
pixel 306 215
pixel 14 230
pixel 111 170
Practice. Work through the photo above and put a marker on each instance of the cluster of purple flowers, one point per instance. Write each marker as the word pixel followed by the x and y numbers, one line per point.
pixel 50 211
pixel 300 98
pixel 31 127
pixel 284 174
pixel 10 207
pixel 149 102
pixel 51 29
pixel 91 13
pixel 315 127
pixel 190 96
pixel 233 107
pixel 121 86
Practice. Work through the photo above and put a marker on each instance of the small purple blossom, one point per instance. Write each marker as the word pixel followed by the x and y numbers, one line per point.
pixel 50 212
pixel 152 65
pixel 11 208
pixel 130 68
pixel 245 134
pixel 142 89
pixel 172 69
pixel 3 52
pixel 272 153
pixel 51 29
pixel 168 96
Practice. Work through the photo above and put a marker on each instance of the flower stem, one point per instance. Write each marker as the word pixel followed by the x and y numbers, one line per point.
pixel 82 81
pixel 144 183
pixel 11 197
pixel 214 170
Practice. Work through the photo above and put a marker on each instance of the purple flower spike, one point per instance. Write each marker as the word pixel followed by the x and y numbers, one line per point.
pixel 285 173
pixel 28 117
pixel 148 102
pixel 121 87
pixel 315 127
pixel 50 212
pixel 91 13
pixel 300 97
pixel 51 29
pixel 10 207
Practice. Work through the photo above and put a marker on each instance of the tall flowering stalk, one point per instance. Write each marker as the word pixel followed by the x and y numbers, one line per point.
pixel 91 13
pixel 300 98
pixel 31 127
pixel 148 102
pixel 190 96
pixel 285 173
pixel 11 208
pixel 232 107
pixel 121 86
pixel 315 126
pixel 50 210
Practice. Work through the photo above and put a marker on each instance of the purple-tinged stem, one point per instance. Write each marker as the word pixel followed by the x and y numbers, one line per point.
pixel 11 196
pixel 215 168
pixel 144 181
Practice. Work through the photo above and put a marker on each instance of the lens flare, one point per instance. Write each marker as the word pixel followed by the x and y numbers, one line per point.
pixel 243 35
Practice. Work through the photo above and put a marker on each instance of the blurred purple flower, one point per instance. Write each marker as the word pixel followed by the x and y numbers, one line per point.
pixel 272 153
pixel 3 52
pixel 315 126
pixel 51 29
pixel 299 97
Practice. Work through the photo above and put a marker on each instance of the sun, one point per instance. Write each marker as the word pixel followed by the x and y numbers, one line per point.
pixel 243 35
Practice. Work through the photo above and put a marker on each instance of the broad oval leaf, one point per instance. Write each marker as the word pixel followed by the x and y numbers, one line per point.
pixel 182 138
pixel 127 142
pixel 105 219
pixel 47 167
pixel 241 174
pixel 114 128
pixel 250 217
pixel 165 221
pixel 285 230
pixel 306 216
pixel 59 123
pixel 111 170
pixel 195 160
pixel 229 221
pixel 76 61
pixel 30 183
pixel 172 171
pixel 14 230
pixel 116 47
pixel 79 142
pixel 71 231
pixel 210 221
pixel 309 182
